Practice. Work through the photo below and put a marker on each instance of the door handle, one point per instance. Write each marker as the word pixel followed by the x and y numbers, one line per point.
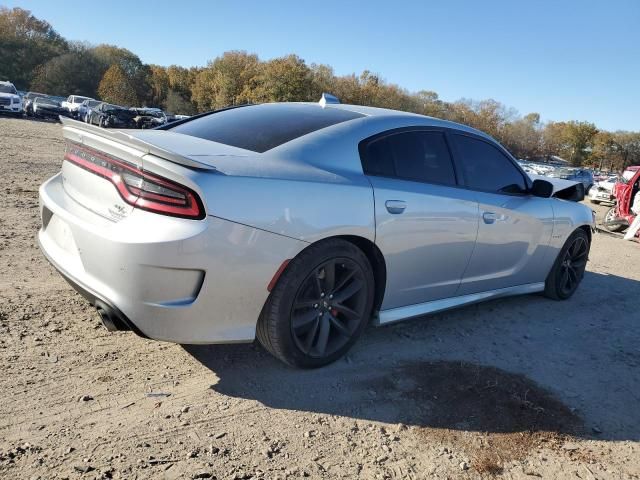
pixel 395 206
pixel 490 217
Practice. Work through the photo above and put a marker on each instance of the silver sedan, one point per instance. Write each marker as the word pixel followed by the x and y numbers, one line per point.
pixel 299 223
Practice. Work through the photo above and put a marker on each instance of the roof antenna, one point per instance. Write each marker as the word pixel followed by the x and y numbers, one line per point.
pixel 328 99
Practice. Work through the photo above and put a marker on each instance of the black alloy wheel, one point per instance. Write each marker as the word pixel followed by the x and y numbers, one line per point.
pixel 328 307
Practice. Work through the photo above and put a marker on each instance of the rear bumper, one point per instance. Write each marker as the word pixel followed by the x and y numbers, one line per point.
pixel 166 278
pixel 111 316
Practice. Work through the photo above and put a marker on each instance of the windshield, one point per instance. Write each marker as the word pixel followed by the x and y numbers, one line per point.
pixel 93 103
pixel 47 101
pixel 8 89
pixel 80 99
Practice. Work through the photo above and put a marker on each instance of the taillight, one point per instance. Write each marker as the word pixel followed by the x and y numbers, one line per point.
pixel 139 188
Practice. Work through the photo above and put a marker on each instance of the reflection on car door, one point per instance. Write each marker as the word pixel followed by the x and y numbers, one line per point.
pixel 514 228
pixel 425 225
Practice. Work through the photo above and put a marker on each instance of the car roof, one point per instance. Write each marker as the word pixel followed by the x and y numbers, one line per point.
pixel 423 120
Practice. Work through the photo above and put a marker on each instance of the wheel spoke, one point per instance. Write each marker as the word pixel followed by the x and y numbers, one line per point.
pixel 580 256
pixel 316 283
pixel 323 336
pixel 345 310
pixel 347 292
pixel 302 323
pixel 329 277
pixel 579 263
pixel 308 341
pixel 573 276
pixel 339 326
pixel 343 281
pixel 305 304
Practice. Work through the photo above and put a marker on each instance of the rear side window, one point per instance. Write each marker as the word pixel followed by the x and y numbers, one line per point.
pixel 262 127
pixel 415 155
pixel 487 168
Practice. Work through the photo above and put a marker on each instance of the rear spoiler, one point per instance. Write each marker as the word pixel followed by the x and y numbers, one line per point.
pixel 121 136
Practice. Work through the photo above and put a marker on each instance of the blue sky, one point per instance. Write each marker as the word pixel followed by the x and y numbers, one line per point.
pixel 564 59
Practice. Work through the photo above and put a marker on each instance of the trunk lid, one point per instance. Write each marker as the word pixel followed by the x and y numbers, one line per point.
pixel 87 143
pixel 88 189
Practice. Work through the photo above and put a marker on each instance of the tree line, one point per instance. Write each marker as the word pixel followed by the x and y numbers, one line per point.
pixel 35 57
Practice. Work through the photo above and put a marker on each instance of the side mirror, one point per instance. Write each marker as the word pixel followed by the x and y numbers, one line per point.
pixel 541 188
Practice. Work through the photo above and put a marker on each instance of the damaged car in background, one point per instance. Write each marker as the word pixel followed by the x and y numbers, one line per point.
pixel 149 117
pixel 602 190
pixel 299 223
pixel 619 217
pixel 107 115
pixel 49 108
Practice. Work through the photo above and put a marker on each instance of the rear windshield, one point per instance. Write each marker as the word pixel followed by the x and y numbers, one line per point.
pixel 262 127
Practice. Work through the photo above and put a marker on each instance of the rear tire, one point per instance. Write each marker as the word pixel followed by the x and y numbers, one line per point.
pixel 320 305
pixel 568 269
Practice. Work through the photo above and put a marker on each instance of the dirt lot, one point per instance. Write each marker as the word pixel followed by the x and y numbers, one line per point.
pixel 517 388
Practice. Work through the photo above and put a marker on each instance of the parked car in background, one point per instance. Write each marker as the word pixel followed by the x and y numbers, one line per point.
pixel 49 108
pixel 72 104
pixel 602 191
pixel 620 216
pixel 112 116
pixel 149 117
pixel 300 222
pixel 28 102
pixel 581 175
pixel 85 108
pixel 10 101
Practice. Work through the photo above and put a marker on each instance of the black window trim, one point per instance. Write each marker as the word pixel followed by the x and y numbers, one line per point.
pixel 457 159
pixel 363 144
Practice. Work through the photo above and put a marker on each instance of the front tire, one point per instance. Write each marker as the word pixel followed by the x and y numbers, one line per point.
pixel 568 269
pixel 609 216
pixel 319 306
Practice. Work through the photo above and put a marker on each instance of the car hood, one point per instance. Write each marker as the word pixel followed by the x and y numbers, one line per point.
pixel 565 189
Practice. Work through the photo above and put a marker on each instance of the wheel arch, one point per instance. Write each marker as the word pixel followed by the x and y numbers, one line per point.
pixel 370 250
pixel 378 264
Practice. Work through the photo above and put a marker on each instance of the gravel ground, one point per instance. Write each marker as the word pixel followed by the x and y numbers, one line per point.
pixel 516 388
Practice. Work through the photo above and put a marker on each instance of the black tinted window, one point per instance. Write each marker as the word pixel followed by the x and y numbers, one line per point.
pixel 416 155
pixel 487 168
pixel 262 127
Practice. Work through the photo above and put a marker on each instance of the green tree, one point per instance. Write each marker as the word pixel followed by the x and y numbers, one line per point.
pixel 177 104
pixel 25 43
pixel 116 87
pixel 77 72
pixel 286 79
pixel 523 136
pixel 131 66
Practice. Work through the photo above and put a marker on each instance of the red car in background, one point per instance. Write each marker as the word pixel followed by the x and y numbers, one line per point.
pixel 620 215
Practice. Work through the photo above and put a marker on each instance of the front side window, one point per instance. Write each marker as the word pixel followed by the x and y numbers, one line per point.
pixel 487 168
pixel 419 156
